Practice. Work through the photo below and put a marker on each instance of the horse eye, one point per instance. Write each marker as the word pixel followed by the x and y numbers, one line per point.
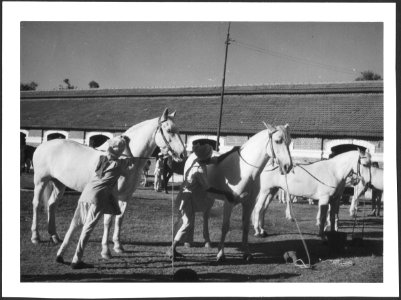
pixel 279 141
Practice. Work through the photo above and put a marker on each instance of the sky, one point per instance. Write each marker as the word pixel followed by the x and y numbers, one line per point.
pixel 180 54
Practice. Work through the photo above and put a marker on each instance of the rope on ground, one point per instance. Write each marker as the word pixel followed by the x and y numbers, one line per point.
pixel 302 265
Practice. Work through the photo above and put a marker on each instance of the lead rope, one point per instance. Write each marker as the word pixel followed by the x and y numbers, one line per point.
pixel 302 265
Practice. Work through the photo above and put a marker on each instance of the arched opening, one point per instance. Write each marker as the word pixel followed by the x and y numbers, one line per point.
pixel 205 141
pixel 55 135
pixel 345 148
pixel 97 140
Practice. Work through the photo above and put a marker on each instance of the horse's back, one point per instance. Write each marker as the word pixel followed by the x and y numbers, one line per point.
pixel 67 161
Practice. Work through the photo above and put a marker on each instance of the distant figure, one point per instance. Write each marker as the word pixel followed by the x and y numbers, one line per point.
pixel 146 173
pixel 158 173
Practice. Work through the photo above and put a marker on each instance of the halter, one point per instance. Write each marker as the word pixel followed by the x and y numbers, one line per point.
pixel 273 155
pixel 159 128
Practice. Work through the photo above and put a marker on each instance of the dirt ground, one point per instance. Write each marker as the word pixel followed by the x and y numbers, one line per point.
pixel 146 236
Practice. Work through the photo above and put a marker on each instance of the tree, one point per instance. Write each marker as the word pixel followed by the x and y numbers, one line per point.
pixel 69 85
pixel 93 85
pixel 368 75
pixel 28 86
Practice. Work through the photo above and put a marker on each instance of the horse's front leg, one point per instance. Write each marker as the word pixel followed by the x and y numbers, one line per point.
pixel 247 207
pixel 322 215
pixel 334 210
pixel 262 203
pixel 118 248
pixel 228 207
pixel 106 254
pixel 206 236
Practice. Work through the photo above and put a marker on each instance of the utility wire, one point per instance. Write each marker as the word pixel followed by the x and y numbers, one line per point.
pixel 293 58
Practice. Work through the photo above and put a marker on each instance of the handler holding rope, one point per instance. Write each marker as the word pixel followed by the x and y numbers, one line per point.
pixel 194 188
pixel 97 198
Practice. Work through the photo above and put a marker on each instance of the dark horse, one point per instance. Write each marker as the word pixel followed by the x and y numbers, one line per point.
pixel 26 158
pixel 169 167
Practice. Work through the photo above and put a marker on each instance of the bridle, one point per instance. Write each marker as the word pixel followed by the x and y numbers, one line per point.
pixel 169 148
pixel 273 155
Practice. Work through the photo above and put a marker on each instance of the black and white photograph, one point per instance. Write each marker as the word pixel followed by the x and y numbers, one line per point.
pixel 209 145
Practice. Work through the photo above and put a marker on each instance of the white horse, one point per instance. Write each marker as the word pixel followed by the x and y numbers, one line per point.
pixel 63 163
pixel 323 180
pixel 372 178
pixel 237 172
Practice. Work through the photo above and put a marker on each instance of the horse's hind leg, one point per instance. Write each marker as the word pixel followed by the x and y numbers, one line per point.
pixel 56 195
pixel 228 207
pixel 118 248
pixel 206 236
pixel 37 195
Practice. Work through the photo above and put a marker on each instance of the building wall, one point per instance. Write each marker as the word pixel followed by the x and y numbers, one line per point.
pixel 303 149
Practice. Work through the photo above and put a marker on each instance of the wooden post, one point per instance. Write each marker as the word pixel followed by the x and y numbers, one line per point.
pixel 222 89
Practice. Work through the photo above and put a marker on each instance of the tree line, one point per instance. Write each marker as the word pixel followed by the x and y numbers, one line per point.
pixel 31 86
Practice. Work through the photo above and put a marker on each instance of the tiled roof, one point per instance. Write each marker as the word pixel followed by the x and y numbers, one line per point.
pixel 347 109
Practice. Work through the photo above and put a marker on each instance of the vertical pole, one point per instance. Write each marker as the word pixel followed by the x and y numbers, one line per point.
pixel 222 89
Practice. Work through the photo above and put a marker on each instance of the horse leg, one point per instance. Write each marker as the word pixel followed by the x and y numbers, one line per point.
pixel 105 239
pixel 206 236
pixel 37 195
pixel 246 218
pixel 56 195
pixel 258 215
pixel 118 248
pixel 288 212
pixel 228 207
pixel 76 223
pixel 334 209
pixel 322 215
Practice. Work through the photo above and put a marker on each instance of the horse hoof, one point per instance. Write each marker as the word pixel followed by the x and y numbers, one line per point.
pixel 59 259
pixel 221 258
pixel 247 257
pixel 187 245
pixel 257 235
pixel 208 245
pixel 35 241
pixel 106 255
pixel 119 249
pixel 55 239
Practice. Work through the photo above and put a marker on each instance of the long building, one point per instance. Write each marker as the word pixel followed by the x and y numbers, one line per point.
pixel 324 119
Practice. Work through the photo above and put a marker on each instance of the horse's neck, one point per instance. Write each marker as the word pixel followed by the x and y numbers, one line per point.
pixel 377 178
pixel 142 142
pixel 343 164
pixel 254 152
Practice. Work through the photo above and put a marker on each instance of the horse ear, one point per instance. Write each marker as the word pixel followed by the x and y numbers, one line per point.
pixel 286 126
pixel 268 126
pixel 164 116
pixel 172 115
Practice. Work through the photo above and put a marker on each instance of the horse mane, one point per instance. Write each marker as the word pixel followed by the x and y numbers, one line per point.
pixel 225 155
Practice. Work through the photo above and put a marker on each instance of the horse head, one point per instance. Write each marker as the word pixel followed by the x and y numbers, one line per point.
pixel 278 146
pixel 365 158
pixel 167 137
